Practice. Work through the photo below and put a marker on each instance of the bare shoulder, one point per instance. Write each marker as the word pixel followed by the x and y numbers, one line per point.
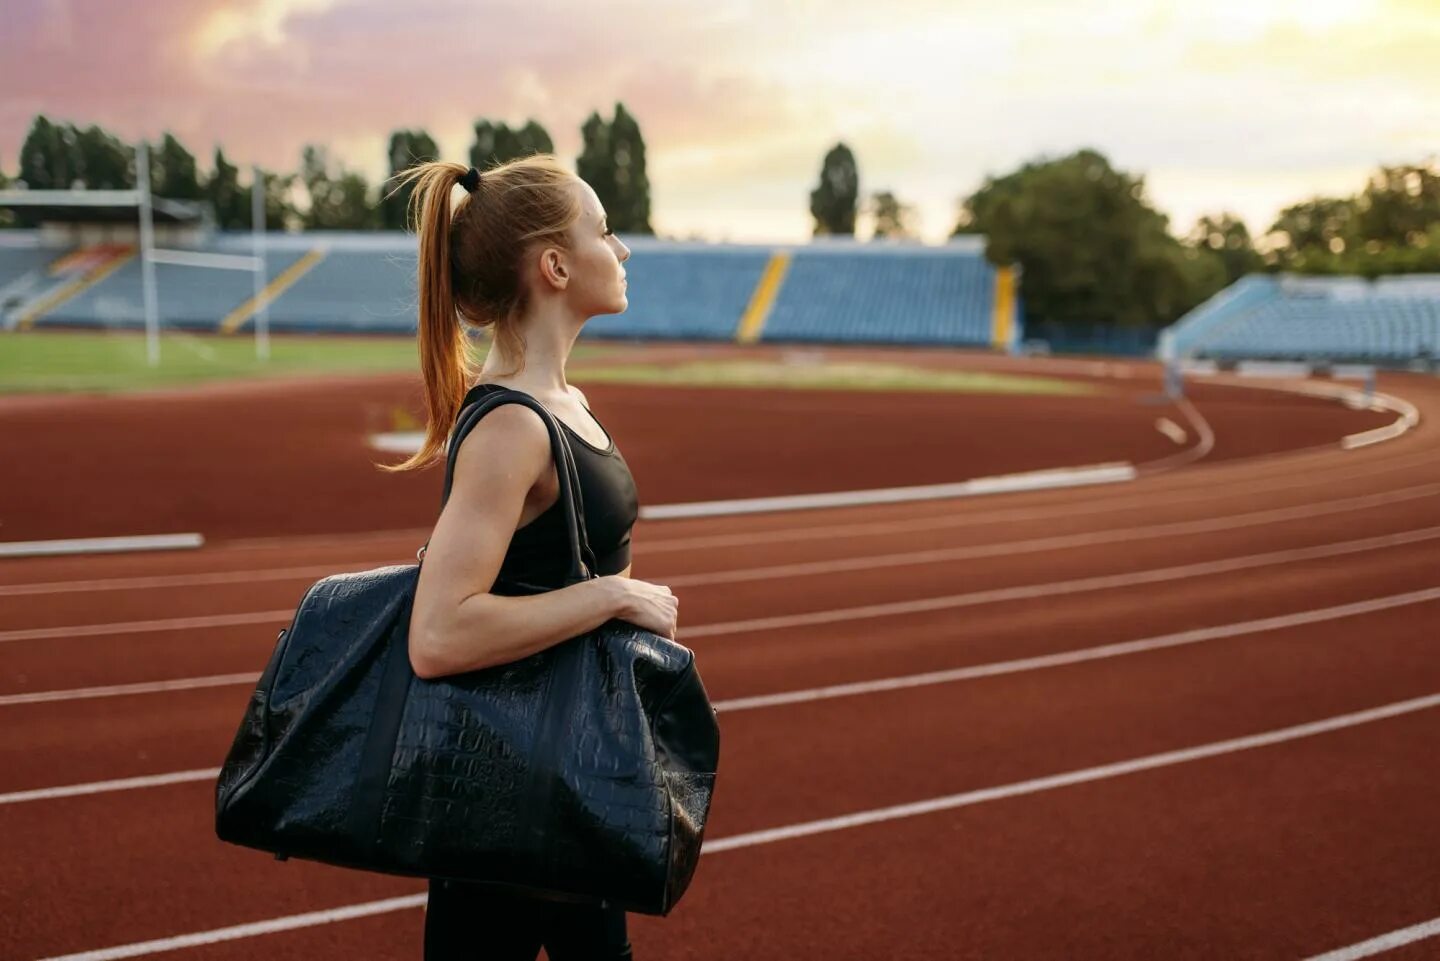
pixel 578 393
pixel 511 439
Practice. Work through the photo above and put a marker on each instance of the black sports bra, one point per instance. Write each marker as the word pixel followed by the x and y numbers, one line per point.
pixel 539 552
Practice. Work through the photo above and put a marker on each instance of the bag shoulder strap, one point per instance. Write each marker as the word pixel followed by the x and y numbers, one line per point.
pixel 581 555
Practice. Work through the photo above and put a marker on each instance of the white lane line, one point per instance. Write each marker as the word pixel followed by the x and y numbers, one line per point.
pixel 870 562
pixel 824 825
pixel 1080 776
pixel 1408 414
pixel 1385 942
pixel 1030 591
pixel 811 568
pixel 821 532
pixel 100 545
pixel 1203 446
pixel 185 580
pixel 1109 473
pixel 882 684
pixel 103 787
pixel 1172 430
pixel 1096 653
pixel 272 926
pixel 137 627
pixel 1409 418
pixel 123 690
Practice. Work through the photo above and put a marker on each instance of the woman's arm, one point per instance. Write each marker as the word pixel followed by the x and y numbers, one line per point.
pixel 456 624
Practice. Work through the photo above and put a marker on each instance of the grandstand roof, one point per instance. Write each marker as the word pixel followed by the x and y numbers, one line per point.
pixel 94 206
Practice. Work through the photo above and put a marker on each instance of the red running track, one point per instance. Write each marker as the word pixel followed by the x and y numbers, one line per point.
pixel 1170 644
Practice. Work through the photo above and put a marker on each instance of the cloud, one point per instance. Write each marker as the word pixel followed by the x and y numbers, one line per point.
pixel 740 99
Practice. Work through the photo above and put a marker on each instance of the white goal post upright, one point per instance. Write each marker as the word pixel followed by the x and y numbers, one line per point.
pixel 257 221
pixel 150 255
pixel 147 245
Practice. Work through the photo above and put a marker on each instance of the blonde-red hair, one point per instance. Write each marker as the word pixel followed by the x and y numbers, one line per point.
pixel 469 270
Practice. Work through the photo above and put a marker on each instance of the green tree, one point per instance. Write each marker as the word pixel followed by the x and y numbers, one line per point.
pixel 496 143
pixel 631 213
pixel 1225 236
pixel 596 163
pixel 892 218
pixel 231 203
pixel 339 201
pixel 48 157
pixel 407 148
pixel 1399 204
pixel 280 209
pixel 833 202
pixel 1391 226
pixel 1319 225
pixel 104 161
pixel 7 217
pixel 173 173
pixel 612 162
pixel 1093 250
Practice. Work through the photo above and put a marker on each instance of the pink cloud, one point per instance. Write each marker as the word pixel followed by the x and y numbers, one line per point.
pixel 360 69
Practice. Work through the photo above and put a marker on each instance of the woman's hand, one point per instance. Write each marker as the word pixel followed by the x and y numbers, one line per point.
pixel 647 605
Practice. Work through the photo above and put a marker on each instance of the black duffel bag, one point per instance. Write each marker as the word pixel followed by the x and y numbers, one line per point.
pixel 583 772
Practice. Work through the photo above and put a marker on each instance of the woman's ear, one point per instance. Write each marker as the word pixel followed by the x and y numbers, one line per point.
pixel 553 269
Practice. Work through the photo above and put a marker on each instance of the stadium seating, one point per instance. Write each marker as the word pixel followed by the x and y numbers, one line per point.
pixel 1291 317
pixel 928 295
pixel 23 267
pixel 832 289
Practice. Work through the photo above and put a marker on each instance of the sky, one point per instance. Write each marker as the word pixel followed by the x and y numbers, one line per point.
pixel 1240 105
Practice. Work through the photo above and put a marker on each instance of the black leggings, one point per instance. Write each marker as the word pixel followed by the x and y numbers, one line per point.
pixel 468 923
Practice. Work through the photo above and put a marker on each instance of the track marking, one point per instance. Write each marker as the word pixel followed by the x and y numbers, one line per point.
pixel 1080 776
pixel 100 545
pixel 993 595
pixel 1202 447
pixel 135 627
pixel 1078 585
pixel 1385 942
pixel 820 826
pixel 755 702
pixel 1003 483
pixel 1099 652
pixel 272 926
pixel 155 581
pixel 844 690
pixel 1171 430
pixel 820 532
pixel 1053 543
pixel 104 787
pixel 124 690
pixel 1409 414
pixel 1226 522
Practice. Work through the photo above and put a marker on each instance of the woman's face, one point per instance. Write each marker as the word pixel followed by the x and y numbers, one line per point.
pixel 597 279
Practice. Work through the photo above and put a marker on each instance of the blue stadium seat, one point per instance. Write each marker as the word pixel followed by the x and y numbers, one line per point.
pixel 1291 317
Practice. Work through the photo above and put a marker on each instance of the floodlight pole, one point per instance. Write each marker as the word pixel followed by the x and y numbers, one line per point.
pixel 147 242
pixel 257 221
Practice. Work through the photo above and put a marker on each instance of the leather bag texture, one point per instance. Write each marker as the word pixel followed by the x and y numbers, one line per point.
pixel 583 772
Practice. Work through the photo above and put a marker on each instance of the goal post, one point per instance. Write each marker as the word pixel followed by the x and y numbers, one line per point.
pixel 68 208
pixel 151 255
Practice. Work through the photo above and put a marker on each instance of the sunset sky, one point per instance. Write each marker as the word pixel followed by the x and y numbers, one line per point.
pixel 1240 104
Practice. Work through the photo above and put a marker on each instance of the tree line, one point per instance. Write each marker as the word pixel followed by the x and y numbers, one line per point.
pixel 1093 250
pixel 58 156
pixel 1091 247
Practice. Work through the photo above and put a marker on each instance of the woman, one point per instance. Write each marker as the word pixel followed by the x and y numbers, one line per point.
pixel 528 254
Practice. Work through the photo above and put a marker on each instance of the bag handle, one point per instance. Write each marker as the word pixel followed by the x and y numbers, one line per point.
pixel 569 477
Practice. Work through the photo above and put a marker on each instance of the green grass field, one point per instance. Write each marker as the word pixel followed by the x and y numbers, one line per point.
pixel 836 375
pixel 106 362
pixel 47 361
